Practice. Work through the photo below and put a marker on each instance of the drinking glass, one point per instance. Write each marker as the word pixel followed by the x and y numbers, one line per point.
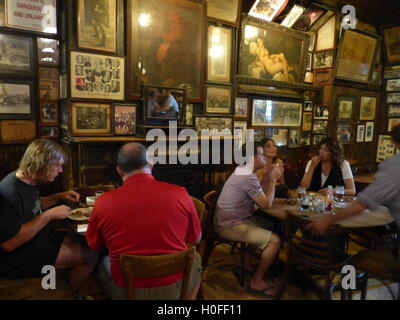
pixel 339 193
pixel 300 195
pixel 305 203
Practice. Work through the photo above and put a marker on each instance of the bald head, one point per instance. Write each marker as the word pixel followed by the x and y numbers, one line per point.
pixel 132 156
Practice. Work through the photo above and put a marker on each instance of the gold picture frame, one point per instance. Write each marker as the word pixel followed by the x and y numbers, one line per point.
pixel 219 99
pixel 90 119
pixel 391 39
pixel 368 108
pixel 282 114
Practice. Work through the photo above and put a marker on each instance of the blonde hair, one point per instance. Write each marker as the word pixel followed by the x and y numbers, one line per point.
pixel 39 157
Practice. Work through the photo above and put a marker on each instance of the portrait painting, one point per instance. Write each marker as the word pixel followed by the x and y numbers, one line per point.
pixel 96 76
pixel 356 56
pixel 279 135
pixel 48 52
pixel 219 54
pixel 97 25
pixel 276 113
pixel 343 133
pixel 360 133
pixel 393 123
pixel 391 38
pixel 367 108
pixel 16 54
pixel 189 114
pixel 307 121
pixel 267 9
pixel 393 85
pixel 292 16
pixel 16 100
pixel 393 111
pixel 223 10
pixel 270 51
pixel 321 112
pixel 345 105
pixel 90 119
pixel 213 126
pixel 163 103
pixel 308 106
pixel 49 112
pixel 393 97
pixel 125 119
pixel 369 131
pixel 49 132
pixel 320 126
pixel 305 138
pixel 166 45
pixel 241 107
pixel 323 59
pixel 218 99
pixel 294 137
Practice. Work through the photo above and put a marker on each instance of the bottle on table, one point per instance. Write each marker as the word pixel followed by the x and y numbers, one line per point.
pixel 330 199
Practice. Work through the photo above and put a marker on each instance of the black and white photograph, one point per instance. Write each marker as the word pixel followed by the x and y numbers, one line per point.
pixel 393 111
pixel 276 113
pixel 218 99
pixel 48 52
pixel 320 126
pixel 393 97
pixel 47 132
pixel 393 85
pixel 321 112
pixel 49 112
pixel 367 108
pixel 317 138
pixel 292 16
pixel 279 135
pixel 294 137
pixel 308 106
pixel 305 139
pixel 97 76
pixel 90 118
pixel 323 59
pixel 343 133
pixel 15 101
pixel 16 54
pixel 213 126
pixel 360 133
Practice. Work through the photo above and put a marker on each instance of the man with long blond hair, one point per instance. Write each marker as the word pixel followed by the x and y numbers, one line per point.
pixel 27 242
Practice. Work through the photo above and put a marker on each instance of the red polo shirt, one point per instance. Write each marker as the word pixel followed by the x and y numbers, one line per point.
pixel 144 217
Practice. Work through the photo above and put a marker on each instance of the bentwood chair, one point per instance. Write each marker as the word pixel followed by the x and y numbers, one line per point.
pixel 212 239
pixel 138 266
pixel 325 254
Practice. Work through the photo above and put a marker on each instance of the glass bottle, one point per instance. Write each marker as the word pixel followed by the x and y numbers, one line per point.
pixel 330 200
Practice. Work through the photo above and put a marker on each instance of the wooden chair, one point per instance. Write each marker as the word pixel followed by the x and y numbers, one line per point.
pixel 201 210
pixel 138 266
pixel 325 254
pixel 212 239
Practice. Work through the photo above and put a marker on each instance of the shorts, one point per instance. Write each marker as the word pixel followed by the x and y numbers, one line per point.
pixel 249 231
pixel 169 292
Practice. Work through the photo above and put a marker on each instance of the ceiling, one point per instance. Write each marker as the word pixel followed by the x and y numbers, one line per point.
pixel 376 12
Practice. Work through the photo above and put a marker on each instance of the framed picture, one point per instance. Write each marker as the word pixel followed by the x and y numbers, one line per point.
pixel 48 52
pixel 344 133
pixel 259 134
pixel 163 103
pixel 276 113
pixel 323 59
pixel 292 16
pixel 49 112
pixel 312 41
pixel 294 138
pixel 49 84
pixel 170 52
pixel 386 148
pixel 308 106
pixel 360 133
pixel 219 54
pixel 89 119
pixel 49 132
pixel 320 126
pixel 391 41
pixel 356 56
pixel 125 119
pixel 224 10
pixel 270 51
pixel 305 138
pixel 314 12
pixel 189 114
pixel 345 105
pixel 241 107
pixel 97 76
pixel 213 126
pixel 393 123
pixel 369 131
pixel 309 77
pixel 326 35
pixel 309 61
pixel 317 138
pixel 391 72
pixel 367 108
pixel 279 135
pixel 393 97
pixel 321 112
pixel 97 25
pixel 22 14
pixel 307 121
pixel 393 111
pixel 393 85
pixel 16 99
pixel 218 99
pixel 16 54
pixel 239 131
pixel 323 77
pixel 267 9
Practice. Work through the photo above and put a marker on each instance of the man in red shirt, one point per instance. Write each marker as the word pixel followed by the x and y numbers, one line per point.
pixel 144 217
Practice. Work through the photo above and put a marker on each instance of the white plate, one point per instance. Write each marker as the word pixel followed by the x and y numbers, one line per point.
pixel 83 217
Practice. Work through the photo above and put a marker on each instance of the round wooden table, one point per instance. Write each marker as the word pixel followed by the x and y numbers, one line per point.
pixel 367 218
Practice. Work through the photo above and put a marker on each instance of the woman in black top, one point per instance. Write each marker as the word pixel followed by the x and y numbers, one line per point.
pixel 328 168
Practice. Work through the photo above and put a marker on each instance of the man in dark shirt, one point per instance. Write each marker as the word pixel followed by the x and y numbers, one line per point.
pixel 27 243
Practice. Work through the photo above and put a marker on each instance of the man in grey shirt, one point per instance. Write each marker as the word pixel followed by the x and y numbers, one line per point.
pixel 385 191
pixel 233 217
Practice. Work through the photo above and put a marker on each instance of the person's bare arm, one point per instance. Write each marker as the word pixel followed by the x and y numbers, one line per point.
pixel 264 200
pixel 30 229
pixel 52 200
pixel 349 187
pixel 307 177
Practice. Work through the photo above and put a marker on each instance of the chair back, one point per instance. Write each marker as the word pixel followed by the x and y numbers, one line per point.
pixel 318 252
pixel 210 200
pixel 139 266
pixel 91 190
pixel 201 210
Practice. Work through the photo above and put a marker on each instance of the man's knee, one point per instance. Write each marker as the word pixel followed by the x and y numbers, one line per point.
pixel 275 240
